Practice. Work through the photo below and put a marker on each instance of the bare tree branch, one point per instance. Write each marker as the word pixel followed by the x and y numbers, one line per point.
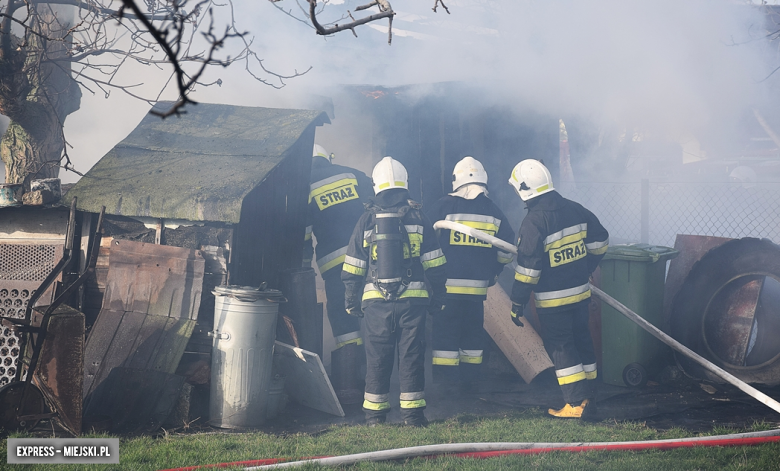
pixel 436 5
pixel 385 11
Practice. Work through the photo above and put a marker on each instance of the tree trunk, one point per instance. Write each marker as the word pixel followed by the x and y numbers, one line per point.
pixel 33 145
pixel 31 148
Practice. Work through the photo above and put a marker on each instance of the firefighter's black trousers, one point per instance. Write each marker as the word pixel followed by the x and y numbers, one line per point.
pixel 341 323
pixel 567 340
pixel 458 342
pixel 388 325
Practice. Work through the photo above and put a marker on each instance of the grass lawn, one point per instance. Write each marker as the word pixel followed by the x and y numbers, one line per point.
pixel 533 425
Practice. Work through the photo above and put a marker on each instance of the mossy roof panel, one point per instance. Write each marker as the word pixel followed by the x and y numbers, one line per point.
pixel 197 167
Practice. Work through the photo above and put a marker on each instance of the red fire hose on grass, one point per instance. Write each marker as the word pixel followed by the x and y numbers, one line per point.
pixel 492 450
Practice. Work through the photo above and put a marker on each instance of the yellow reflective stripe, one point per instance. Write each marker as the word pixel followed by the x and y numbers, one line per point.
pixel 471 357
pixel 357 341
pixel 566 240
pixel 562 301
pixel 571 378
pixel 373 294
pixel 446 361
pixel 330 183
pixel 527 275
pixel 308 233
pixel 334 258
pixel 562 297
pixel 416 289
pixel 590 375
pixel 445 357
pixel 413 404
pixel 336 261
pixel 375 405
pixel 434 262
pixel 416 240
pixel 466 290
pixel 353 269
pixel 400 184
pixel 531 280
pixel 598 251
pixel 558 237
pixel 542 188
pixel 597 245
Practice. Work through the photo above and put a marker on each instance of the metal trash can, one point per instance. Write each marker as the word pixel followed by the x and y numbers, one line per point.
pixel 242 355
pixel 634 275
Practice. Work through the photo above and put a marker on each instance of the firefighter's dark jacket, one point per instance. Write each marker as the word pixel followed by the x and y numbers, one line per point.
pixel 427 258
pixel 336 198
pixel 471 263
pixel 560 244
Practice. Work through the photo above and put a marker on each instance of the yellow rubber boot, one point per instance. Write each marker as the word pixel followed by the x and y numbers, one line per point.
pixel 568 411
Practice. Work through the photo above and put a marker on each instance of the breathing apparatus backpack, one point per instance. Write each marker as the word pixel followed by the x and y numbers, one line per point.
pixel 390 252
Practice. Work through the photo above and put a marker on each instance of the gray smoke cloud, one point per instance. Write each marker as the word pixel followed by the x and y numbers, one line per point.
pixel 679 68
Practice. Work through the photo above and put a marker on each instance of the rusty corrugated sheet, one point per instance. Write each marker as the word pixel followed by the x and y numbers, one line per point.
pixel 149 311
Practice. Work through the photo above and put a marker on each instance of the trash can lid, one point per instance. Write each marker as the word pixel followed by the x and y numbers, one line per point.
pixel 640 253
pixel 246 292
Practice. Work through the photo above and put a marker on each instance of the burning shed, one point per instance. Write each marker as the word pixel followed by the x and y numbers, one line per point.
pixel 241 168
pixel 217 195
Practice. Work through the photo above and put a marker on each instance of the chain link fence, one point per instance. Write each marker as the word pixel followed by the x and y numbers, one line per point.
pixel 655 212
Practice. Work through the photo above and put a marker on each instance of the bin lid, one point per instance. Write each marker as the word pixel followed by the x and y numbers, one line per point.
pixel 640 253
pixel 246 293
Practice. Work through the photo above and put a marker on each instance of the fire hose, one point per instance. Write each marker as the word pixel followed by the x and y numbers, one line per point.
pixel 492 450
pixel 631 315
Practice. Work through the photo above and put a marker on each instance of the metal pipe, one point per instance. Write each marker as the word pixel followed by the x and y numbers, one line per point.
pixel 636 318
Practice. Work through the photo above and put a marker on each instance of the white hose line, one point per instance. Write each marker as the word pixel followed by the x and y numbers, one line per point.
pixel 678 347
pixel 451 448
pixel 650 328
pixel 476 233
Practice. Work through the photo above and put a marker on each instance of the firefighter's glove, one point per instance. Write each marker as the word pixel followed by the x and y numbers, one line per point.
pixel 353 307
pixel 517 314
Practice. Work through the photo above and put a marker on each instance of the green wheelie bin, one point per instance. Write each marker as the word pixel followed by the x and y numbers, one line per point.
pixel 634 275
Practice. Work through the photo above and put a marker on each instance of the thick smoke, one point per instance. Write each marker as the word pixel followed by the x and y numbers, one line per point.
pixel 678 68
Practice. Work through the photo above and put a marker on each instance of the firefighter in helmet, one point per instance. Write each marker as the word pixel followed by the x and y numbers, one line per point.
pixel 336 197
pixel 392 251
pixel 559 245
pixel 472 265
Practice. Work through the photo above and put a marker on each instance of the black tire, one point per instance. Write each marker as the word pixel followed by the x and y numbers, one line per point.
pixel 10 401
pixel 734 260
pixel 635 375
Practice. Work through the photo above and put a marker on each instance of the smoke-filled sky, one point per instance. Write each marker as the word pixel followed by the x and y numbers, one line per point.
pixel 677 66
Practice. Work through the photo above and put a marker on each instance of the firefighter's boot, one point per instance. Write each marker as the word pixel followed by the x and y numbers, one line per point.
pixel 345 373
pixel 568 411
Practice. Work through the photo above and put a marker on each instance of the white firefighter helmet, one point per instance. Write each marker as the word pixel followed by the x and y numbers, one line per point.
pixel 468 170
pixel 320 151
pixel 530 178
pixel 388 174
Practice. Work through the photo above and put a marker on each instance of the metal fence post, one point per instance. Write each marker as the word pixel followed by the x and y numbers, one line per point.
pixel 645 212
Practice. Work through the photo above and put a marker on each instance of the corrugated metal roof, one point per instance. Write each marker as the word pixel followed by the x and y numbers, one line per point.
pixel 198 167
